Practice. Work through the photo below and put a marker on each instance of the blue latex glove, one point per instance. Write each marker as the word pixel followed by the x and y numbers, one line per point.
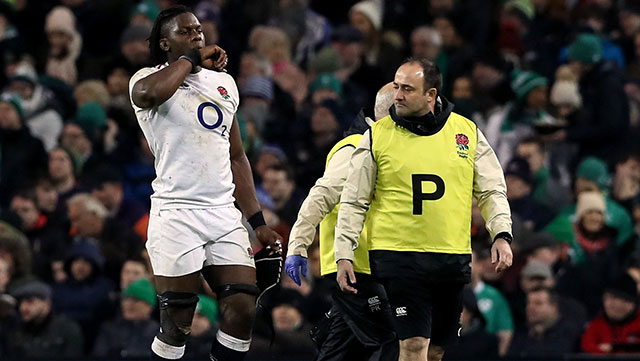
pixel 294 265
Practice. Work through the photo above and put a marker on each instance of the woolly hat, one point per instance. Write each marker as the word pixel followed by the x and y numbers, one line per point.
pixel 565 92
pixel 14 100
pixel 142 290
pixel 61 19
pixel 148 8
pixel 523 6
pixel 135 33
pixel 258 86
pixel 595 170
pixel 372 10
pixel 623 287
pixel 208 307
pixel 90 117
pixel 327 81
pixel 590 201
pixel 31 289
pixel 536 269
pixel 523 82
pixel 326 60
pixel 587 49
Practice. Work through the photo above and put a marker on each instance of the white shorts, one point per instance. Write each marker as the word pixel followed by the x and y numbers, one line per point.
pixel 183 241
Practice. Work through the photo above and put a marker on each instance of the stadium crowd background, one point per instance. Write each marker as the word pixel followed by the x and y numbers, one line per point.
pixel 554 85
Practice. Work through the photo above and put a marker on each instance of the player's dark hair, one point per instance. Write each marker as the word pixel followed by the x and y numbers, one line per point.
pixel 432 74
pixel 159 56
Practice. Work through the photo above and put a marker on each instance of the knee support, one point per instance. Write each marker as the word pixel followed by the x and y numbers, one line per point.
pixel 231 289
pixel 176 314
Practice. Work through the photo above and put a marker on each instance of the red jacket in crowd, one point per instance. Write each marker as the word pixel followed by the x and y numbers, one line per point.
pixel 603 336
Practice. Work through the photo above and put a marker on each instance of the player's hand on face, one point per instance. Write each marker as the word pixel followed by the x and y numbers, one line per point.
pixel 269 238
pixel 214 58
pixel 294 265
pixel 501 255
pixel 346 277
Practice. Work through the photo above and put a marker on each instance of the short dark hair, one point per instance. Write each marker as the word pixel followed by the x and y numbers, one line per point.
pixel 159 56
pixel 28 194
pixel 432 74
pixel 536 141
pixel 288 171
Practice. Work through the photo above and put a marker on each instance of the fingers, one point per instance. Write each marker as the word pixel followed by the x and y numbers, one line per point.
pixel 506 259
pixel 293 274
pixel 344 285
pixel 494 255
pixel 303 268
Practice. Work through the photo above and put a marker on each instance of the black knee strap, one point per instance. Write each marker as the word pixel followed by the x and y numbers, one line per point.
pixel 231 289
pixel 177 299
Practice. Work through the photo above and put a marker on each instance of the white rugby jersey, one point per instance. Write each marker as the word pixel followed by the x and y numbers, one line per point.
pixel 189 137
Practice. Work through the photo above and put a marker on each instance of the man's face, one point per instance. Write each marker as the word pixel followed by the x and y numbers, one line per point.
pixel 286 317
pixel 118 81
pixel 47 197
pixel 131 272
pixel 134 309
pixel 539 308
pixel 630 169
pixel 110 195
pixel 533 154
pixel 136 52
pixel 538 98
pixel 9 118
pixel 181 34
pixel 60 166
pixel 530 283
pixel 517 188
pixel 81 269
pixel 27 211
pixel 630 22
pixel 446 30
pixel 34 309
pixel 75 139
pixel 86 224
pixel 323 121
pixel 275 182
pixel 410 98
pixel 361 22
pixel 422 45
pixel 616 308
pixel 350 52
pixel 462 88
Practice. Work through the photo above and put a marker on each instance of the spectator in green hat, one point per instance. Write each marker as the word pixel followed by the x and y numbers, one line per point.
pixel 592 175
pixel 132 333
pixel 326 86
pixel 601 127
pixel 203 328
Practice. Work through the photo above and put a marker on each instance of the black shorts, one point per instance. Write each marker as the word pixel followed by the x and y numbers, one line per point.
pixel 425 292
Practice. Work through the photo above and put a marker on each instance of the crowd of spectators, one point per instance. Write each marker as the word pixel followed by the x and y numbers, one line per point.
pixel 553 84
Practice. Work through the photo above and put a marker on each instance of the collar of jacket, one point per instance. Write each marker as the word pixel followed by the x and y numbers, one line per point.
pixel 428 124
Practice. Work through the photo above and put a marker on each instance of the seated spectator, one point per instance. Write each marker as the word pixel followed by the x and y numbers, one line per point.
pixel 62 170
pixel 625 187
pixel 16 253
pixel 326 86
pixel 547 333
pixel 548 187
pixel 287 197
pixel 82 134
pixel 22 154
pixel 90 220
pixel 131 334
pixel 65 44
pixel 133 269
pixel 520 182
pixel 474 342
pixel 592 175
pixel 46 238
pixel 38 105
pixel 85 296
pixel 617 329
pixel 105 184
pixel 494 308
pixel 43 334
pixel 203 329
pixel 292 339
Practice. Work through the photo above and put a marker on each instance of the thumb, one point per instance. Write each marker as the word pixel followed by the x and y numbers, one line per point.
pixel 494 254
pixel 303 267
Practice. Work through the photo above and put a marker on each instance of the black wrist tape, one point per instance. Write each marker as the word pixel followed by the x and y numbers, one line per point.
pixel 256 220
pixel 194 57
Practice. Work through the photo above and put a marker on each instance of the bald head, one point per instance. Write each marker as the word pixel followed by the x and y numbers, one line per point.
pixel 384 100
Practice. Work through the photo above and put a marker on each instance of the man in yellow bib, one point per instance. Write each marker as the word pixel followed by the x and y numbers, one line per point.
pixel 357 325
pixel 416 172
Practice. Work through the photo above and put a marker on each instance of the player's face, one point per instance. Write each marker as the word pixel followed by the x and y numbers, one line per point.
pixel 182 34
pixel 410 98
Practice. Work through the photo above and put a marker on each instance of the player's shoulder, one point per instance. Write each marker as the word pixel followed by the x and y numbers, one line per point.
pixel 143 73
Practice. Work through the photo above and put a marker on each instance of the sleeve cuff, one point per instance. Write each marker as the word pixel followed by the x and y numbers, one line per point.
pixel 344 254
